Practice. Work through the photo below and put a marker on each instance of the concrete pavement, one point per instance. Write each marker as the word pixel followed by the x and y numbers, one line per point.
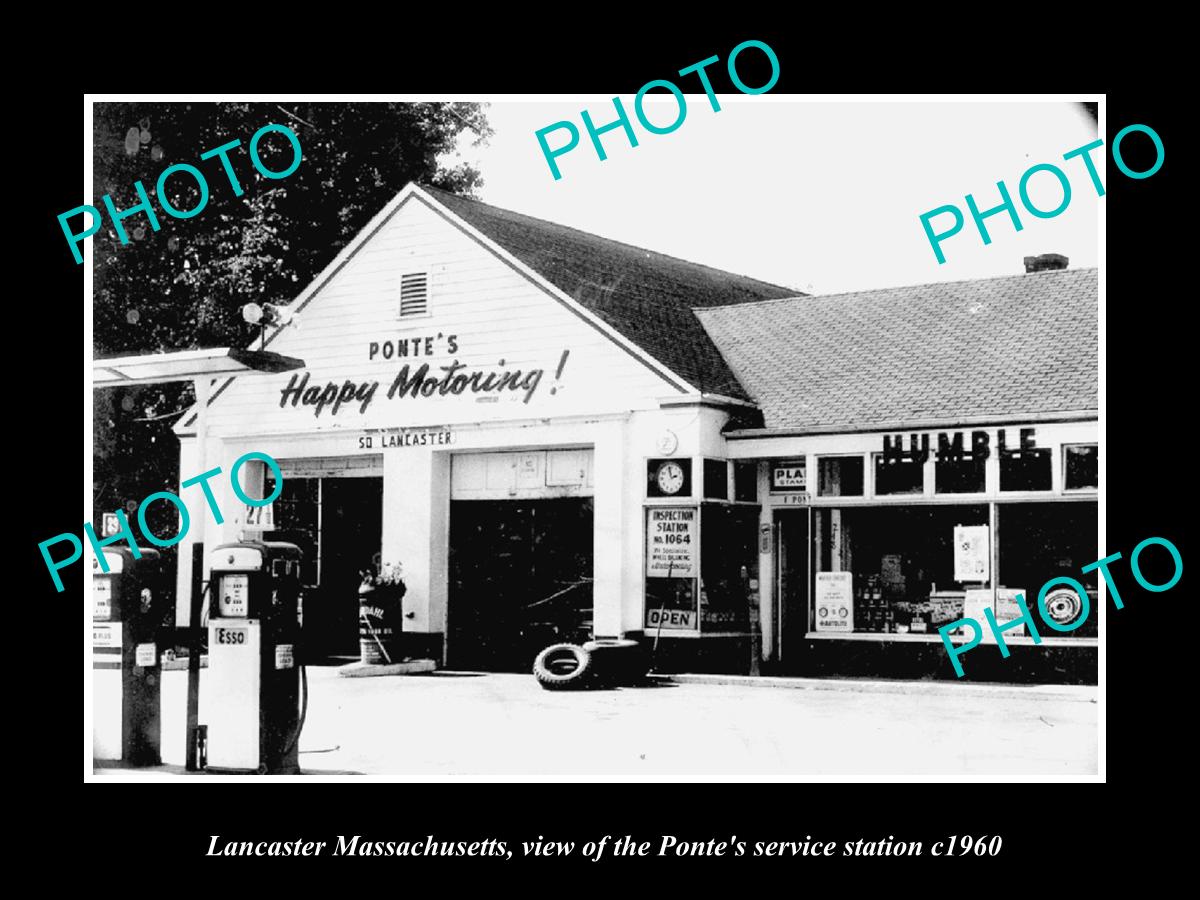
pixel 450 724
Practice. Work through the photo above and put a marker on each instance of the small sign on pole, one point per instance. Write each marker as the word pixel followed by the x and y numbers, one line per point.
pixel 260 518
pixel 110 524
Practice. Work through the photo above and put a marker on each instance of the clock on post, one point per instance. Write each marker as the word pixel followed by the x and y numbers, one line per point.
pixel 668 477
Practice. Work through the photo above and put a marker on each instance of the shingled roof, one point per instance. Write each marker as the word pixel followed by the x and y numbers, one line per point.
pixel 648 297
pixel 1015 346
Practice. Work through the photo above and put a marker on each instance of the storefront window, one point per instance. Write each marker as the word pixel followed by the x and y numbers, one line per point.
pixel 898 476
pixel 1042 541
pixel 1025 470
pixel 716 479
pixel 701 568
pixel 958 473
pixel 745 481
pixel 840 476
pixel 672 564
pixel 1081 467
pixel 728 566
pixel 670 605
pixel 901 567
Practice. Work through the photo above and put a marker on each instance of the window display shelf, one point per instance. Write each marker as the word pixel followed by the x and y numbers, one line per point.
pixel 1014 641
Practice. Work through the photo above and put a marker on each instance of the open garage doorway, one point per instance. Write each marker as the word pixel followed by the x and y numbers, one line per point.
pixel 520 579
pixel 334 514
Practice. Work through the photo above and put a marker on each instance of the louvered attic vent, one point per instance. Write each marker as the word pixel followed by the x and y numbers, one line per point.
pixel 414 294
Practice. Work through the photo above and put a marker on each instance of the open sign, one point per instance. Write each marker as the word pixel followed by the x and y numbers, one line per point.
pixel 671 618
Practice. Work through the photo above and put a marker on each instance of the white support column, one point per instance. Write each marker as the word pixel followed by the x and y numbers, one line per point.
pixel 416 532
pixel 612 515
pixel 766 564
pixel 198 509
pixel 233 510
pixel 991 466
pixel 252 478
pixel 439 540
pixel 1056 463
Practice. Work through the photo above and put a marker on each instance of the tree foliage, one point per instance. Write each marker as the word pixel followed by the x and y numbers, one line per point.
pixel 182 287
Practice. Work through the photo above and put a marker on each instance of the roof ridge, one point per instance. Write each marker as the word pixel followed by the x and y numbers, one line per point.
pixel 594 236
pixel 897 287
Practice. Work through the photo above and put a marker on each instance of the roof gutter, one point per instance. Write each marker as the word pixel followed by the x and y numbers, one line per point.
pixel 704 399
pixel 1082 415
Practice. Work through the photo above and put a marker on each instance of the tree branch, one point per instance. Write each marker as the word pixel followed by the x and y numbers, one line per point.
pixel 454 112
pixel 163 416
pixel 292 115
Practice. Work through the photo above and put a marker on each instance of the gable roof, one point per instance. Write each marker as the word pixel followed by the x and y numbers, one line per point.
pixel 642 296
pixel 1014 346
pixel 647 297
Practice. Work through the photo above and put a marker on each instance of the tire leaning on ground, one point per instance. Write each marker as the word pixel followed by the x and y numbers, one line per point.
pixel 618 661
pixel 562 667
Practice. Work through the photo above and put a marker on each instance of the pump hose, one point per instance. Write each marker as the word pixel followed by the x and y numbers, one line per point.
pixel 303 711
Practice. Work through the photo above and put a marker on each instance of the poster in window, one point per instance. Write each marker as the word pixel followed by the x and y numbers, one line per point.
pixel 1007 609
pixel 671 542
pixel 975 602
pixel 835 601
pixel 972 553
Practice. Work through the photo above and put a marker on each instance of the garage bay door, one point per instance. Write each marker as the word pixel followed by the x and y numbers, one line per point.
pixel 521 540
pixel 525 474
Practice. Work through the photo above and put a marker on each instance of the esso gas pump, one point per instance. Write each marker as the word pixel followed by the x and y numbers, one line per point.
pixel 127 611
pixel 253 680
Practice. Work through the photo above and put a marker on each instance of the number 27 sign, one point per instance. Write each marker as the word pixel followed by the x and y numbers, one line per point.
pixel 260 517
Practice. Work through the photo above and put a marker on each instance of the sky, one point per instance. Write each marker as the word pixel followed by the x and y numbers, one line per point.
pixel 822 197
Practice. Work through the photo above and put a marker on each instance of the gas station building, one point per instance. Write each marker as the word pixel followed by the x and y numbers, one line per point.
pixel 552 431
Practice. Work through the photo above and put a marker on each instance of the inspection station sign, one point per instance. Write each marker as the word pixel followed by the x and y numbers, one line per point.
pixel 671 542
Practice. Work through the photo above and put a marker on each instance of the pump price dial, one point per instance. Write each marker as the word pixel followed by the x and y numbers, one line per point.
pixel 101 598
pixel 233 592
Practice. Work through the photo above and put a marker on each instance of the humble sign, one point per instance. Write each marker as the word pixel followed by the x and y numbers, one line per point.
pixel 953 445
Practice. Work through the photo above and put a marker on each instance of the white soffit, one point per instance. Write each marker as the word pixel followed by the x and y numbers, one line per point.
pixel 157 368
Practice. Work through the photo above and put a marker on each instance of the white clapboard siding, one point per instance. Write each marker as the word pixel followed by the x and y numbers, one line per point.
pixel 495 312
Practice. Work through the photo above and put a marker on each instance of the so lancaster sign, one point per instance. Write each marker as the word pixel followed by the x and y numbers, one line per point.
pixel 419 381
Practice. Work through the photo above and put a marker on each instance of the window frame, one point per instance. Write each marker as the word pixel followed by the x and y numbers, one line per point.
pixel 981 463
pixel 1091 489
pixel 922 492
pixel 708 463
pixel 1003 492
pixel 819 457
